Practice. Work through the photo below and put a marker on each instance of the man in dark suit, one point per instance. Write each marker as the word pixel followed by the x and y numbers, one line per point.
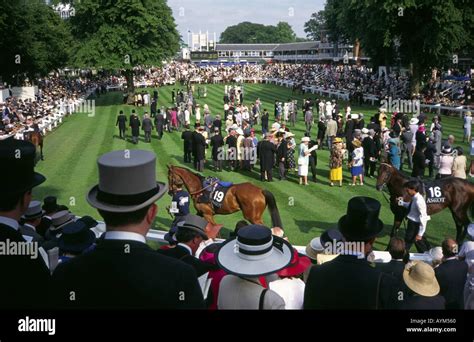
pixel 159 124
pixel 282 151
pixel 20 271
pixel 191 231
pixel 265 118
pixel 199 148
pixel 217 144
pixel 187 137
pixel 266 153
pixel 123 272
pixel 147 126
pixel 122 124
pixel 30 220
pixel 349 281
pixel 398 252
pixel 135 126
pixel 153 107
pixel 370 154
pixel 451 276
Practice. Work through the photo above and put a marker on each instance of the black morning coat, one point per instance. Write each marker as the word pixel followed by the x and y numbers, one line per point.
pixel 25 281
pixel 126 274
pixel 348 282
pixel 199 146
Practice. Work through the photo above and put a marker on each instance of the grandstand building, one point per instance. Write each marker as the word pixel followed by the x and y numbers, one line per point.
pixel 307 52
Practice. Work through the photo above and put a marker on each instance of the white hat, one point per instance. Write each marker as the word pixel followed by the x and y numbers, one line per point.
pixel 354 116
pixel 239 131
pixel 289 135
pixel 365 130
pixel 436 253
pixel 414 121
pixel 470 230
pixel 305 139
pixel 254 252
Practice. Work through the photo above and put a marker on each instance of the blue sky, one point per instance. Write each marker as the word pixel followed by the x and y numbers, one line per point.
pixel 216 15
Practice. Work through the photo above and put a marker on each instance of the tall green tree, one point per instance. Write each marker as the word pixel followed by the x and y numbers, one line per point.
pixel 315 27
pixel 34 40
pixel 421 34
pixel 121 35
pixel 248 33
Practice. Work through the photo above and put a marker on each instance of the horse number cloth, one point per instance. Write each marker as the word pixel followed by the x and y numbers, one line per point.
pixel 434 193
pixel 218 195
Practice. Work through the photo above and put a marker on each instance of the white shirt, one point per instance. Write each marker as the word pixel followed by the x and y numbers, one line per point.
pixel 418 212
pixel 9 222
pixel 117 235
pixel 291 290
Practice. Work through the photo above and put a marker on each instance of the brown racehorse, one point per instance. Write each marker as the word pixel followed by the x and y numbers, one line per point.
pixel 243 196
pixel 37 139
pixel 458 193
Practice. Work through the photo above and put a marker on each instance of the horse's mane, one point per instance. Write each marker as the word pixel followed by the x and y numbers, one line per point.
pixel 396 170
pixel 190 171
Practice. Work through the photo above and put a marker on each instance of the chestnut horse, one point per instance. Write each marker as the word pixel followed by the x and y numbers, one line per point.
pixel 243 196
pixel 458 194
pixel 36 139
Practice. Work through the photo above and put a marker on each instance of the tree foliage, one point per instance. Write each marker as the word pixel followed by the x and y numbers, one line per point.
pixel 118 34
pixel 248 33
pixel 420 34
pixel 34 40
pixel 315 27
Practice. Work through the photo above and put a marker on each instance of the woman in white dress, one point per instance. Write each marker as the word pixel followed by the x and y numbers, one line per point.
pixel 467 127
pixel 303 161
pixel 198 113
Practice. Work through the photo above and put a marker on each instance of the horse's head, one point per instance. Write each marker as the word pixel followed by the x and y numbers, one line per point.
pixel 385 172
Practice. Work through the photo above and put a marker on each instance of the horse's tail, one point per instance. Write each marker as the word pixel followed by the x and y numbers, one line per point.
pixel 272 207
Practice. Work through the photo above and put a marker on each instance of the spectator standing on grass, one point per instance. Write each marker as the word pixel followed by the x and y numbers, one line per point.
pixel 308 119
pixel 335 162
pixel 147 126
pixel 446 161
pixel 460 164
pixel 467 127
pixel 135 126
pixel 122 262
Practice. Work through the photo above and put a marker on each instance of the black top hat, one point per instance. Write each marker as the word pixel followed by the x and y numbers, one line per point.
pixel 76 237
pixel 194 223
pixel 17 158
pixel 89 221
pixel 362 221
pixel 50 204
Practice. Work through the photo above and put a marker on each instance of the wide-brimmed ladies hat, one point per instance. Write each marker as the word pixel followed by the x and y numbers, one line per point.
pixel 446 150
pixel 254 252
pixel 414 121
pixel 337 141
pixel 127 182
pixel 289 135
pixel 420 278
pixel 356 143
pixel 298 265
pixel 468 113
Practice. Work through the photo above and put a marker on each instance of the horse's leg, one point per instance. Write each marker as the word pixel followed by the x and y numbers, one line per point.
pixel 41 151
pixel 396 226
pixel 214 230
pixel 461 220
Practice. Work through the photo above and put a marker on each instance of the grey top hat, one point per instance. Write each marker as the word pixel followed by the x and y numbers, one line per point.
pixel 60 219
pixel 194 223
pixel 127 182
pixel 34 211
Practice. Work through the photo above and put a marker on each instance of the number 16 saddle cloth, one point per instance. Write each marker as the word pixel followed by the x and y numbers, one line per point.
pixel 433 192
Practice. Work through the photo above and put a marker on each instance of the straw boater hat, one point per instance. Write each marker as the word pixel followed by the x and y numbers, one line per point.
pixel 420 278
pixel 356 143
pixel 254 252
pixel 414 121
pixel 127 182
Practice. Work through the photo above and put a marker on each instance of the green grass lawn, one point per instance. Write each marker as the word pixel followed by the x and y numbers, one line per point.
pixel 72 149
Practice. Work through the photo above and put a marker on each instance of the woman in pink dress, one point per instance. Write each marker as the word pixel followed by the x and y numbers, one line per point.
pixel 174 118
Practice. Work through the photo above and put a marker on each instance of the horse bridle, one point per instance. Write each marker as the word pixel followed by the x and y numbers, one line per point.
pixel 387 175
